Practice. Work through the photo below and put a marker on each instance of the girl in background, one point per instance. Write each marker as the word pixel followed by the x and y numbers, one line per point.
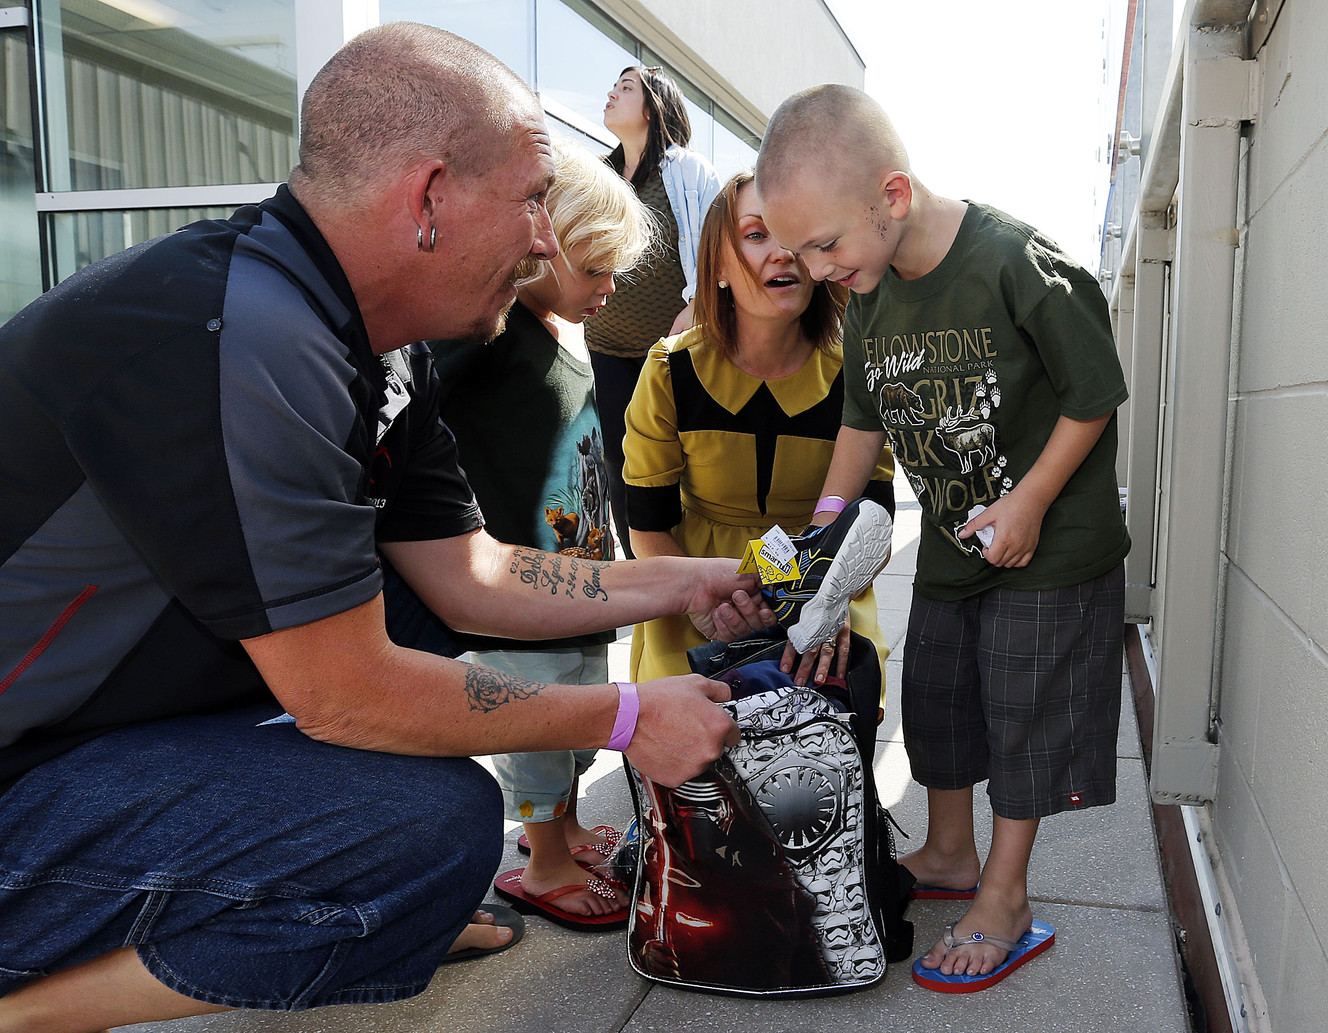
pixel 646 112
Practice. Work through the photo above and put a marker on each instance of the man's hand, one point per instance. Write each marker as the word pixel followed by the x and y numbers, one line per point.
pixel 679 729
pixel 726 606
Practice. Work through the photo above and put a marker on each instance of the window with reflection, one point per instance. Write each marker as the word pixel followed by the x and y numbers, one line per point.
pixel 82 238
pixel 561 130
pixel 20 252
pixel 169 93
pixel 579 54
pixel 502 27
pixel 733 152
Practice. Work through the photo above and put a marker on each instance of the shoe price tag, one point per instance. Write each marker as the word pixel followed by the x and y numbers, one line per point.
pixel 773 557
pixel 984 534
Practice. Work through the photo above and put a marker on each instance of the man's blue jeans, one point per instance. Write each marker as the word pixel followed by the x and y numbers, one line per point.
pixel 251 865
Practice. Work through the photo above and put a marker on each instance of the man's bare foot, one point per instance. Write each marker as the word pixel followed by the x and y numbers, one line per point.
pixel 932 868
pixel 542 877
pixel 999 923
pixel 481 934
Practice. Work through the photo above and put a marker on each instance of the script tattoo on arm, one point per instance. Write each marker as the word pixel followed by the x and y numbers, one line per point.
pixel 591 589
pixel 544 570
pixel 553 576
pixel 488 690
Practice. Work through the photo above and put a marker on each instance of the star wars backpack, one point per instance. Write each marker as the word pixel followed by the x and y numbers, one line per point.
pixel 772 873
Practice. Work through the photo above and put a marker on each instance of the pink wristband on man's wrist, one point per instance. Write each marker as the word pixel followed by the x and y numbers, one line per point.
pixel 830 504
pixel 624 725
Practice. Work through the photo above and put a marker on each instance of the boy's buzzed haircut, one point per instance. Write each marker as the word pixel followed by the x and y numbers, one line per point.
pixel 831 128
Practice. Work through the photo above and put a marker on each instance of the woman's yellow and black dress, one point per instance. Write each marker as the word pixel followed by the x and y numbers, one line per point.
pixel 717 456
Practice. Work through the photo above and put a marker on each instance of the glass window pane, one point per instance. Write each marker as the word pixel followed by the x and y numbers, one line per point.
pixel 560 130
pixel 20 252
pixel 81 238
pixel 169 93
pixel 698 104
pixel 733 153
pixel 502 27
pixel 578 61
pixel 703 130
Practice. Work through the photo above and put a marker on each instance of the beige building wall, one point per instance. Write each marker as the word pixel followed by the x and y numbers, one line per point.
pixel 750 54
pixel 1271 812
pixel 1236 613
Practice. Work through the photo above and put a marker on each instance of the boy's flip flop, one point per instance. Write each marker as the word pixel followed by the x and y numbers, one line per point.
pixel 508 885
pixel 1039 937
pixel 921 891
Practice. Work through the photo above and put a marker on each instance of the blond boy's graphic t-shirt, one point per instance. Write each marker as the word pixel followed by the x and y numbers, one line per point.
pixel 968 369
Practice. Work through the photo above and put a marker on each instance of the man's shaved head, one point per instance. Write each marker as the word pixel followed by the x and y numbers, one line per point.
pixel 398 93
pixel 834 133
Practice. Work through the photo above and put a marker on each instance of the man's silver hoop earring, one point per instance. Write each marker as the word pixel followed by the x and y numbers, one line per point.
pixel 419 238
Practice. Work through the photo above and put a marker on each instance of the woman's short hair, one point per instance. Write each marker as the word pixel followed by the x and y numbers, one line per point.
pixel 589 204
pixel 667 121
pixel 715 313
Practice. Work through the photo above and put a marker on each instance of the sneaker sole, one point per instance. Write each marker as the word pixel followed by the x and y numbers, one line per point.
pixel 858 559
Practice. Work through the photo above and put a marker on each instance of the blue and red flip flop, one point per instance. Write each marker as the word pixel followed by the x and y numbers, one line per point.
pixel 921 891
pixel 1039 937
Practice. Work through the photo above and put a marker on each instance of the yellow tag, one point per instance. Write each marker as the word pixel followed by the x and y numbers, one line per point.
pixel 772 557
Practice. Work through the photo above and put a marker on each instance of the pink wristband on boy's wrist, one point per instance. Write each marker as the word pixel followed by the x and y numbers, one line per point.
pixel 624 725
pixel 830 504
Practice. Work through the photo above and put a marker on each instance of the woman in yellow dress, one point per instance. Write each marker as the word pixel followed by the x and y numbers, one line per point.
pixel 733 422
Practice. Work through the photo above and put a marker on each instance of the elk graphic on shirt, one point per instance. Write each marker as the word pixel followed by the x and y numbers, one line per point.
pixel 968 436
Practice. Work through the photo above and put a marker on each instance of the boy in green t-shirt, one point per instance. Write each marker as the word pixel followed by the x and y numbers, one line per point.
pixel 985 356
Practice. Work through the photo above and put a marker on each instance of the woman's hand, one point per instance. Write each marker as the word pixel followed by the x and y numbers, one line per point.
pixel 833 651
pixel 685 320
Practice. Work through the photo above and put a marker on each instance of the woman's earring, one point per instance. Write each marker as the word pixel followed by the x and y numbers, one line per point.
pixel 723 284
pixel 419 238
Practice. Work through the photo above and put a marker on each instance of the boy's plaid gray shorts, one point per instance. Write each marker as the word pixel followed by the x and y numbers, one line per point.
pixel 1021 688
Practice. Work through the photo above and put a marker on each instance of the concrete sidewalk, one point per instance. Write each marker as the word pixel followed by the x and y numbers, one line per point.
pixel 1095 876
